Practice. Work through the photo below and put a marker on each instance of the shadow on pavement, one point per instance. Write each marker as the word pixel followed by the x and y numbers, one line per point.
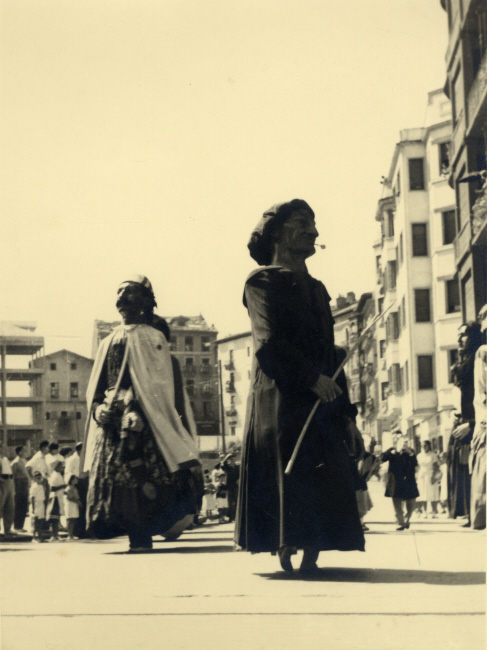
pixel 193 540
pixel 182 550
pixel 381 576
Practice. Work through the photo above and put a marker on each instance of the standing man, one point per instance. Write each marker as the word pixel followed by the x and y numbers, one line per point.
pixel 21 484
pixel 38 462
pixel 314 508
pixel 401 485
pixel 7 491
pixel 138 451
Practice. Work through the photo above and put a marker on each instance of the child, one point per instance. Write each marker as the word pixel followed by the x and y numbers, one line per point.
pixel 72 504
pixel 220 479
pixel 55 505
pixel 37 498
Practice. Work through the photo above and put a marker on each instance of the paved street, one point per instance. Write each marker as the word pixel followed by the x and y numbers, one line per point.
pixel 422 588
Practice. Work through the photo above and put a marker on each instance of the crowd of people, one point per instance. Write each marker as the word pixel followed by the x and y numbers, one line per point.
pixel 302 484
pixel 45 488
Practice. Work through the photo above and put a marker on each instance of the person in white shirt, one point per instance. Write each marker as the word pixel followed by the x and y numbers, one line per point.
pixel 53 457
pixel 7 493
pixel 73 464
pixel 38 461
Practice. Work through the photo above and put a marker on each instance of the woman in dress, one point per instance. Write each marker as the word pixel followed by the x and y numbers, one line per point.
pixel 429 479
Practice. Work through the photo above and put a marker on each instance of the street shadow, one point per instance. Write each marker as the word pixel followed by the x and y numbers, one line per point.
pixel 182 550
pixel 193 540
pixel 10 550
pixel 383 576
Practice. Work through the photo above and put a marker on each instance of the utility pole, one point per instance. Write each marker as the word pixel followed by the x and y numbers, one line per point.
pixel 220 381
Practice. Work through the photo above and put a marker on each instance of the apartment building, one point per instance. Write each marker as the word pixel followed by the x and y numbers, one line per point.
pixel 62 388
pixel 466 85
pixel 417 284
pixel 19 346
pixel 235 354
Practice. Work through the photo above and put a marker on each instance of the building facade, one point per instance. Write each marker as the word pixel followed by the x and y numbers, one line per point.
pixel 192 343
pixel 19 347
pixel 235 354
pixel 62 388
pixel 418 288
pixel 466 85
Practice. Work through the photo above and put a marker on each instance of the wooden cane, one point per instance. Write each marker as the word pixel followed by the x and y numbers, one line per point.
pixel 335 375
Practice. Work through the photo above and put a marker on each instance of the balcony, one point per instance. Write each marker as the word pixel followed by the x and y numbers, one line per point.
pixel 189 370
pixel 462 241
pixel 205 369
pixel 231 413
pixel 478 93
pixel 457 138
pixel 479 215
pixel 229 365
pixel 230 387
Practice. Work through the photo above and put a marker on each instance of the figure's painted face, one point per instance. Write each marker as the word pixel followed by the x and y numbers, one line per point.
pixel 131 302
pixel 298 233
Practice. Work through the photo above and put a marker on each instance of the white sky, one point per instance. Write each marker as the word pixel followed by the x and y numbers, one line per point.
pixel 149 136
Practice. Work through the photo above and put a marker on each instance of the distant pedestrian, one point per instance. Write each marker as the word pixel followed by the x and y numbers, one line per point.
pixel 55 503
pixel 209 496
pixel 72 505
pixel 21 484
pixel 7 491
pixel 444 483
pixel 37 496
pixel 232 472
pixel 401 483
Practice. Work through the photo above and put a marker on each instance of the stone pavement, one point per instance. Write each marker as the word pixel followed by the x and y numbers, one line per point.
pixel 417 589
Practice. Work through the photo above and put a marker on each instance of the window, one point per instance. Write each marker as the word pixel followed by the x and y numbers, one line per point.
pixel 403 312
pixel 207 410
pixel 406 375
pixel 173 343
pixel 52 366
pixel 190 389
pixel 48 416
pixel 64 414
pixel 78 415
pixel 449 226
pixel 248 352
pixel 391 275
pixel 205 344
pixel 444 157
pixel 73 389
pixel 452 360
pixel 452 296
pixel 416 174
pixel 382 349
pixel 422 305
pixel 54 390
pixel 420 240
pixel 425 371
pixel 392 326
pixel 73 366
pixel 188 343
pixel 384 390
pixel 395 378
pixel 380 305
pixel 401 249
pixel 205 366
pixel 232 430
pixel 390 223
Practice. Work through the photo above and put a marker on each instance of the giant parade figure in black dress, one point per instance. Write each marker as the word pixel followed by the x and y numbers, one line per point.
pixel 314 508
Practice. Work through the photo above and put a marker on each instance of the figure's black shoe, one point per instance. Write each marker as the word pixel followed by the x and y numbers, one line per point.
pixel 284 554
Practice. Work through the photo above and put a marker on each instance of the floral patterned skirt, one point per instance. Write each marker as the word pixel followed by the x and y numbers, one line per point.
pixel 131 490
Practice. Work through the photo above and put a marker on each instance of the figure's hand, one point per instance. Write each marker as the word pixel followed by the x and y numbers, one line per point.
pixel 326 389
pixel 103 415
pixel 358 447
pixel 133 422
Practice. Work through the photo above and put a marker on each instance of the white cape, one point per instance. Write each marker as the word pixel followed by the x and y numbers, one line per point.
pixel 150 367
